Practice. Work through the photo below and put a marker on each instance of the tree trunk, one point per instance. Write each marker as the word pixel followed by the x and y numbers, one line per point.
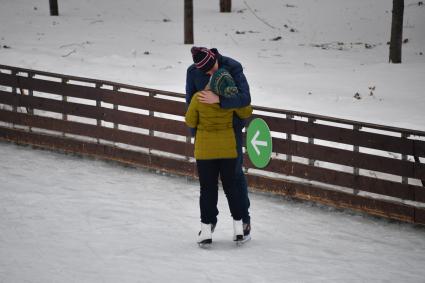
pixel 225 6
pixel 188 21
pixel 396 31
pixel 54 10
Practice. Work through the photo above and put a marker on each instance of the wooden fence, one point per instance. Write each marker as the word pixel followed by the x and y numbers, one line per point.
pixel 371 168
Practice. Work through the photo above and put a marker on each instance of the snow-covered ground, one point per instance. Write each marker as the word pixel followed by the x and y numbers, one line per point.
pixel 337 49
pixel 69 219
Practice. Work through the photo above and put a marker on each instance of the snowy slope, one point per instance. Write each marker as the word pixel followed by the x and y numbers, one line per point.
pixel 69 219
pixel 304 71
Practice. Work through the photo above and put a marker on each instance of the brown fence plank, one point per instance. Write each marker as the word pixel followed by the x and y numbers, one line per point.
pixel 99 150
pixel 94 131
pixel 346 136
pixel 273 111
pixel 94 112
pixel 339 199
pixel 350 158
pixel 348 180
pixel 52 87
pixel 145 102
pixel 52 105
pixel 420 216
pixel 92 93
pixel 89 80
pixel 8 80
pixel 145 121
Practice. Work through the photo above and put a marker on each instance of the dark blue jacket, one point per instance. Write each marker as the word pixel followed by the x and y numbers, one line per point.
pixel 196 80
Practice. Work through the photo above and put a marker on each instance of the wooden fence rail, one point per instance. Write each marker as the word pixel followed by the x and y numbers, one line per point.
pixel 362 166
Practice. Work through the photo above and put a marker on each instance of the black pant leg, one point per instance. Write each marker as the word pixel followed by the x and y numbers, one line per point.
pixel 208 171
pixel 232 191
pixel 240 179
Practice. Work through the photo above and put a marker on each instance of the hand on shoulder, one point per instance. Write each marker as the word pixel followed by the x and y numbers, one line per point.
pixel 208 97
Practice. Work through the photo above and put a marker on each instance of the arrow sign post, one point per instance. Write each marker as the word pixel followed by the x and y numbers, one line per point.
pixel 259 143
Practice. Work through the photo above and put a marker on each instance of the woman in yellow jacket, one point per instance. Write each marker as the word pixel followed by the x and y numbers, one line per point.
pixel 215 154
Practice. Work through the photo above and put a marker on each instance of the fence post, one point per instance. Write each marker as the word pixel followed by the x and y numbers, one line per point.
pixel 311 140
pixel 188 142
pixel 115 88
pixel 30 94
pixel 404 136
pixel 289 137
pixel 15 93
pixel 152 114
pixel 356 149
pixel 99 105
pixel 64 99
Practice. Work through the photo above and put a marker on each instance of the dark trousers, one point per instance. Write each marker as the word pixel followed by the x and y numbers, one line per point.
pixel 240 179
pixel 209 171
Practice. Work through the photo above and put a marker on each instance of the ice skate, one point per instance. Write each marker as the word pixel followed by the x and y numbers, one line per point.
pixel 246 232
pixel 238 231
pixel 204 236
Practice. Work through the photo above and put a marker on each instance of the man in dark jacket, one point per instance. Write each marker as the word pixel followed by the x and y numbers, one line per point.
pixel 206 62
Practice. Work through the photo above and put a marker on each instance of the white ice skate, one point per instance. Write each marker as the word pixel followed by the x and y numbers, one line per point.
pixel 246 232
pixel 204 236
pixel 238 231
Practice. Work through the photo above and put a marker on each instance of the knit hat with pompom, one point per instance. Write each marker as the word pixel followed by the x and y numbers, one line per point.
pixel 203 58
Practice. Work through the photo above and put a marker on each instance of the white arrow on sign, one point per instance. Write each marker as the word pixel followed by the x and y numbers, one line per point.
pixel 254 142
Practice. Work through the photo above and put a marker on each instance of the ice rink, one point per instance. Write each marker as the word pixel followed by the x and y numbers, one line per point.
pixel 64 218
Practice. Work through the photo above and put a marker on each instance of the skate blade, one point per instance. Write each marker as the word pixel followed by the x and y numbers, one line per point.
pixel 246 239
pixel 205 244
pixel 243 241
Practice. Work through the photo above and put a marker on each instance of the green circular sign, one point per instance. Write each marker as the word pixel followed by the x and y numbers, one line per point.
pixel 259 143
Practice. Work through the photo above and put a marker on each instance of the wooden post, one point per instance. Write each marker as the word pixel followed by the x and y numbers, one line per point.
pixel 151 114
pixel 54 9
pixel 188 21
pixel 188 142
pixel 15 93
pixel 404 136
pixel 311 141
pixel 289 137
pixel 31 94
pixel 30 110
pixel 356 149
pixel 225 6
pixel 115 88
pixel 64 99
pixel 99 105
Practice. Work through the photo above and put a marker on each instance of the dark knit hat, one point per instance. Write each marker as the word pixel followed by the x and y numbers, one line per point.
pixel 203 58
pixel 222 83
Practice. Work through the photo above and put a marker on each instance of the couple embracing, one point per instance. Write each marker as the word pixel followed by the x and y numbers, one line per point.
pixel 218 99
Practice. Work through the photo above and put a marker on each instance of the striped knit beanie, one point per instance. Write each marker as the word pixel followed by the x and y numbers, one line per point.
pixel 222 83
pixel 203 58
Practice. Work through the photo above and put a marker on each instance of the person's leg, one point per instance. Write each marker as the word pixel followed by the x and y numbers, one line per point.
pixel 227 175
pixel 240 180
pixel 208 171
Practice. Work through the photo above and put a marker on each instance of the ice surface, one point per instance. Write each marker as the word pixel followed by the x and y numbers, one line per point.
pixel 69 219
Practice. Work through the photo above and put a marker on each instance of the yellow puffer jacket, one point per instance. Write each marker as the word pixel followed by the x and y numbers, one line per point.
pixel 215 137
